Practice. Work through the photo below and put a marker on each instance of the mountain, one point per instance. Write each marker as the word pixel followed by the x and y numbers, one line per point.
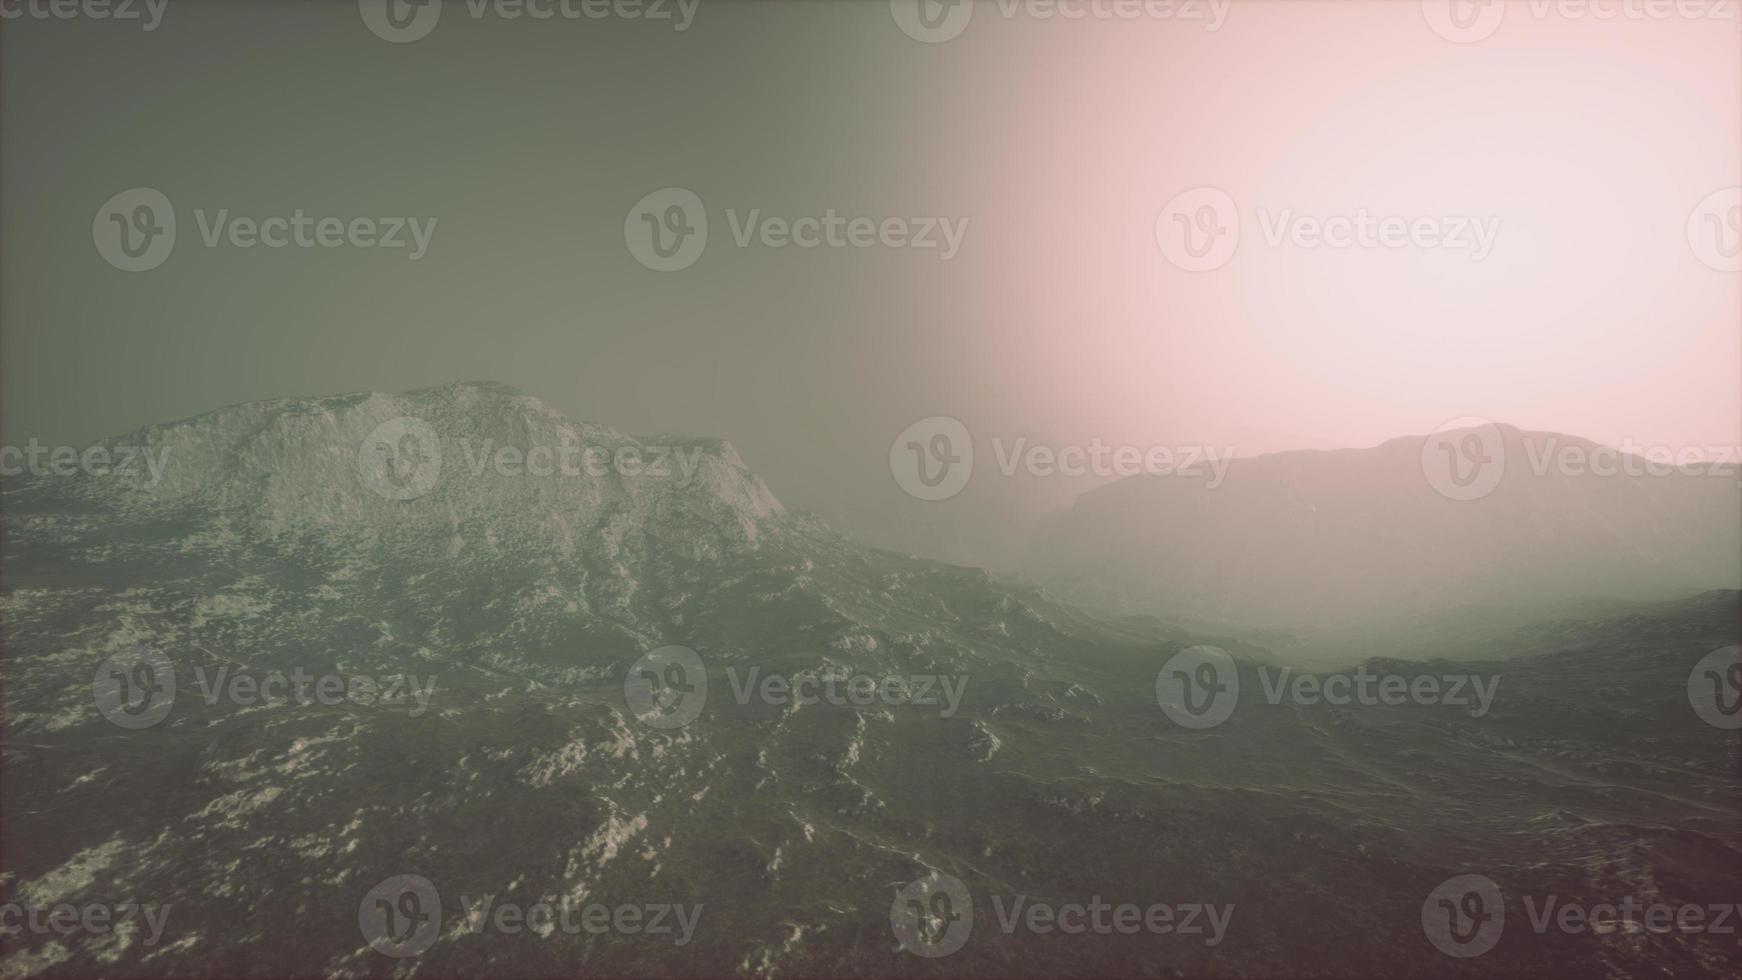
pixel 510 626
pixel 1327 539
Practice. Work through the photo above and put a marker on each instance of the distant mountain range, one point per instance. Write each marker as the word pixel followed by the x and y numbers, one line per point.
pixel 1358 537
pixel 519 570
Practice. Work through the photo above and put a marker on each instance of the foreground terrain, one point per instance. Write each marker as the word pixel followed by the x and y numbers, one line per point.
pixel 508 612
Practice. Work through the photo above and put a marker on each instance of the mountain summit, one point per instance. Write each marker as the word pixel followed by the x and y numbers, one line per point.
pixel 480 464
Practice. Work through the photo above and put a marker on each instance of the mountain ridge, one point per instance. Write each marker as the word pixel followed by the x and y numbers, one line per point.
pixel 306 462
pixel 1313 538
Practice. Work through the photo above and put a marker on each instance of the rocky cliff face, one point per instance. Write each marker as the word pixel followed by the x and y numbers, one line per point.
pixel 469 497
pixel 473 453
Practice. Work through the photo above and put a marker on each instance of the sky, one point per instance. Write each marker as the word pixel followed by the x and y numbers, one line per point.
pixel 1559 179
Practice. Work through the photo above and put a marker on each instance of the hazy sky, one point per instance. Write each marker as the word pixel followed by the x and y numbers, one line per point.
pixel 1584 146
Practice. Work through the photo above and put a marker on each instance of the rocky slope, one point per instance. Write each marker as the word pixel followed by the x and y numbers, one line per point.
pixel 508 614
